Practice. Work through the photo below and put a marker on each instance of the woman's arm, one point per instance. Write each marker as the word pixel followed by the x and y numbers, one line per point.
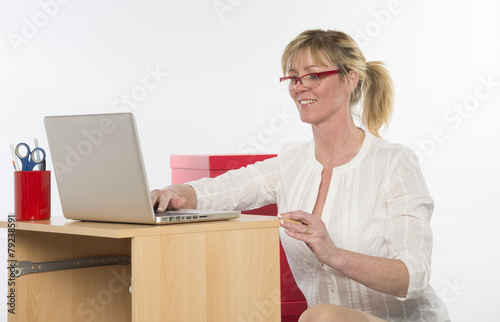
pixel 384 275
pixel 246 188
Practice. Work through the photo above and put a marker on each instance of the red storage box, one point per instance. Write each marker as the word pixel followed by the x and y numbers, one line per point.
pixel 192 167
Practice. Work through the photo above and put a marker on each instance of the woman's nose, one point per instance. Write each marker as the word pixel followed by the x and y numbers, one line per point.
pixel 299 87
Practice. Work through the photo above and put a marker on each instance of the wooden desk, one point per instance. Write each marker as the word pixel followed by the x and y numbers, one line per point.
pixel 216 271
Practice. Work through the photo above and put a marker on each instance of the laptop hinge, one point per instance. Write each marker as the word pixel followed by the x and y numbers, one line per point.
pixel 20 268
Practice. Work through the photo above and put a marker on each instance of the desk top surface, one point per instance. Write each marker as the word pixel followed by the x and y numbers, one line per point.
pixel 118 230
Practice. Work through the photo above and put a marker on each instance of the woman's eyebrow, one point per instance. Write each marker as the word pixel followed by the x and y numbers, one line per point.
pixel 307 68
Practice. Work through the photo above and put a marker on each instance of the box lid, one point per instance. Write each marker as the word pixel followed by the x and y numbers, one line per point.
pixel 216 162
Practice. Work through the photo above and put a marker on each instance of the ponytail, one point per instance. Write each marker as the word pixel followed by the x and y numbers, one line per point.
pixel 378 97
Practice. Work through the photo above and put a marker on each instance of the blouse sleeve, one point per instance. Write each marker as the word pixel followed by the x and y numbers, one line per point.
pixel 247 188
pixel 407 230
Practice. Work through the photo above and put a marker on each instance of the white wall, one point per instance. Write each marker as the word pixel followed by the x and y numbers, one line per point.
pixel 217 64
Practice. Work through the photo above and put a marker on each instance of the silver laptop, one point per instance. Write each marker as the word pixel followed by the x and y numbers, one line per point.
pixel 100 174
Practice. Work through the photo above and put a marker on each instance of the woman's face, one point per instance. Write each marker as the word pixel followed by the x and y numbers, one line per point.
pixel 323 102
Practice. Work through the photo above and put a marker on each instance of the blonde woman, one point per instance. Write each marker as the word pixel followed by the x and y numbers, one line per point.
pixel 354 208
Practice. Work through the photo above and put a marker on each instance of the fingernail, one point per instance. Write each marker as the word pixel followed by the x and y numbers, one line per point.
pixel 159 209
pixel 281 222
pixel 279 216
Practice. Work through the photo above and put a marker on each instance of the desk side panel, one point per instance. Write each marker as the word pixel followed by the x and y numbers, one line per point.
pixel 214 276
pixel 244 271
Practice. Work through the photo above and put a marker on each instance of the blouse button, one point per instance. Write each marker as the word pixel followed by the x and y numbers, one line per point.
pixel 332 290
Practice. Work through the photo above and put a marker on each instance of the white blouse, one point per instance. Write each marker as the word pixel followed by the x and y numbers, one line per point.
pixel 377 204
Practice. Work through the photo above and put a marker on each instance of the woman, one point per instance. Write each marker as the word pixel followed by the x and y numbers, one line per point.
pixel 354 209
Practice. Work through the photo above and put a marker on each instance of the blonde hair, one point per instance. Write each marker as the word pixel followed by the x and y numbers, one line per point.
pixel 374 84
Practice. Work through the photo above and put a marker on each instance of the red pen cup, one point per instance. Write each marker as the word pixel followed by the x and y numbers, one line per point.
pixel 32 195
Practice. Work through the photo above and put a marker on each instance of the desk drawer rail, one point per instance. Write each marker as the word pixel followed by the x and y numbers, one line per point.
pixel 27 267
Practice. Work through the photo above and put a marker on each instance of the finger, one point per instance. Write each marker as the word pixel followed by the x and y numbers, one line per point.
pixel 294 225
pixel 299 216
pixel 165 199
pixel 154 197
pixel 177 202
pixel 297 235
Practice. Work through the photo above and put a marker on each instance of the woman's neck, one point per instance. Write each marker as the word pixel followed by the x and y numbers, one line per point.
pixel 337 143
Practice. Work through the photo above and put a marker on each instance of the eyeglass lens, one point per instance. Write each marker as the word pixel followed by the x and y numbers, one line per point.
pixel 308 81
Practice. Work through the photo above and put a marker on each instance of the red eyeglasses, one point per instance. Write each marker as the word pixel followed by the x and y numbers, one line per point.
pixel 309 81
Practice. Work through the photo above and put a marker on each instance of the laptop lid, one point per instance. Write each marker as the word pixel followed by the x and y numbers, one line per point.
pixel 100 172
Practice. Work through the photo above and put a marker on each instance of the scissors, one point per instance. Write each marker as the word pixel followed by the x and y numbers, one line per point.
pixel 30 159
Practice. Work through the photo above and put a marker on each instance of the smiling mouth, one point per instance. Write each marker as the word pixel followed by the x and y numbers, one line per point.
pixel 306 102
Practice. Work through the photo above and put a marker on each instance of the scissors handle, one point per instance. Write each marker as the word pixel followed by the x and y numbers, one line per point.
pixel 36 159
pixel 24 157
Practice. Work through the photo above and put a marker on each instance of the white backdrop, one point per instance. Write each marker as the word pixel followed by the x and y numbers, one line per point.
pixel 201 76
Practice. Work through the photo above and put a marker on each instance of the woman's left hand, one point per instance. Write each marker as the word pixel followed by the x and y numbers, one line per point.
pixel 312 230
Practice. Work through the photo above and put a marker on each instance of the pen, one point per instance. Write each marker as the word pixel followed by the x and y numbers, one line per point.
pixel 16 165
pixel 42 165
pixel 37 152
pixel 293 221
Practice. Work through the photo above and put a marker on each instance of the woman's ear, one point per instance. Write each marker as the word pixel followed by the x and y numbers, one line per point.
pixel 352 80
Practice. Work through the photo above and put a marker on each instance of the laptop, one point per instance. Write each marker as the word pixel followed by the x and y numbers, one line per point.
pixel 100 173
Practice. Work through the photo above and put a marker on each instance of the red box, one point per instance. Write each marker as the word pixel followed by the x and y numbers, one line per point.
pixel 32 195
pixel 193 167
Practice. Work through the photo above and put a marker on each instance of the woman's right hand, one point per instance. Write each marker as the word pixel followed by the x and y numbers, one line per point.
pixel 173 197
